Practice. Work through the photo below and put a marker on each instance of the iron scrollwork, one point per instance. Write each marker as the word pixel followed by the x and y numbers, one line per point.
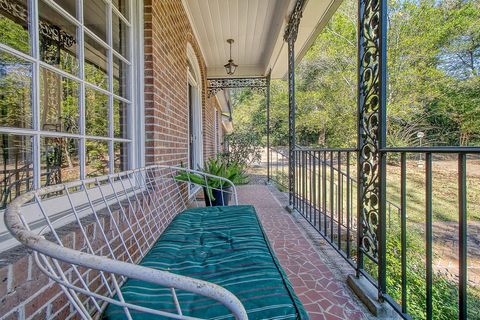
pixel 215 85
pixel 290 36
pixel 291 30
pixel 49 31
pixel 370 86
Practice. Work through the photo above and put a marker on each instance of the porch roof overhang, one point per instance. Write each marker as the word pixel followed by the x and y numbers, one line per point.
pixel 257 26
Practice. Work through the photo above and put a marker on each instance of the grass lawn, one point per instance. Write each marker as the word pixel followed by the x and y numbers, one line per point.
pixel 445 227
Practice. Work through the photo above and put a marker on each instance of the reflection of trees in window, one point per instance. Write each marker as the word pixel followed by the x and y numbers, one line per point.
pixel 120 151
pixel 59 160
pixel 96 113
pixel 15 92
pixel 58 44
pixel 14 25
pixel 16 170
pixel 96 63
pixel 59 94
pixel 97 159
pixel 59 104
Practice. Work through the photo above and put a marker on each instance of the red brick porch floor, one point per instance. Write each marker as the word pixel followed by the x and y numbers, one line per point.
pixel 322 290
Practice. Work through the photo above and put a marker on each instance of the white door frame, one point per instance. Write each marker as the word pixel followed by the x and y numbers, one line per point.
pixel 194 80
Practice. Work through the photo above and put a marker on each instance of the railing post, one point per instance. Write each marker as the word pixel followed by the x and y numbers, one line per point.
pixel 371 137
pixel 268 127
pixel 290 37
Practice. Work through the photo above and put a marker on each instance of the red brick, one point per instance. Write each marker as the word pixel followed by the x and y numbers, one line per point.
pixel 12 316
pixel 3 281
pixel 41 300
pixel 20 272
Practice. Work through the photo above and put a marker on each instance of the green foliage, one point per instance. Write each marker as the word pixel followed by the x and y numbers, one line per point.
pixel 14 35
pixel 445 286
pixel 244 147
pixel 219 167
pixel 433 83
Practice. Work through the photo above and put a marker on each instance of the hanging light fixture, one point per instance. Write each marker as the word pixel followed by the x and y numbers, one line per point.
pixel 230 67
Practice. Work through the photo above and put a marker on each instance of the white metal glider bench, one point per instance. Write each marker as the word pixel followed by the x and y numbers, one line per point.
pixel 127 246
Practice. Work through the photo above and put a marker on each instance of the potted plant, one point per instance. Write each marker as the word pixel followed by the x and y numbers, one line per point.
pixel 216 191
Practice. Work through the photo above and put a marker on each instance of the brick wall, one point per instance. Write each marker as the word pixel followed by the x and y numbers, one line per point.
pixel 167 33
pixel 25 292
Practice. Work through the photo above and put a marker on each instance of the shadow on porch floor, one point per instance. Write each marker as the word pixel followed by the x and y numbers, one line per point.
pixel 311 268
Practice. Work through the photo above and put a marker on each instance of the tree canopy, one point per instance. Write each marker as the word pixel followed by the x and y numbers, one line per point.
pixel 433 86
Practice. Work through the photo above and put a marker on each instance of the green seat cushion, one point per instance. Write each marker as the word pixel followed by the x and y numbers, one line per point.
pixel 223 245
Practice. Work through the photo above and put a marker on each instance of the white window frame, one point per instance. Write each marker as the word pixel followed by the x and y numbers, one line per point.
pixel 135 109
pixel 135 105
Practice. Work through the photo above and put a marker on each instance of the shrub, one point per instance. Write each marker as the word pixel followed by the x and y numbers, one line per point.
pixel 244 147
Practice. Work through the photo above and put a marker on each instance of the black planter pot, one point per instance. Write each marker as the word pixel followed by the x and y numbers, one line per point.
pixel 219 199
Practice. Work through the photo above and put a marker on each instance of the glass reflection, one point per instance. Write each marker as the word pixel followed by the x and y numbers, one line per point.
pixel 120 151
pixel 16 166
pixel 96 63
pixel 120 117
pixel 97 158
pixel 96 113
pixel 58 103
pixel 120 36
pixel 69 6
pixel 14 22
pixel 15 91
pixel 58 39
pixel 95 17
pixel 123 6
pixel 59 160
pixel 121 72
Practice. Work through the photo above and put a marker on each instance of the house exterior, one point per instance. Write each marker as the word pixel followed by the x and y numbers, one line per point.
pixel 93 87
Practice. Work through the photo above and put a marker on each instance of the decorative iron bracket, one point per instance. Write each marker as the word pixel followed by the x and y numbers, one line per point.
pixel 291 30
pixel 258 84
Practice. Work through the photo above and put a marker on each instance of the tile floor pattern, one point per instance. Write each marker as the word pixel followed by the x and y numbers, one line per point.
pixel 313 281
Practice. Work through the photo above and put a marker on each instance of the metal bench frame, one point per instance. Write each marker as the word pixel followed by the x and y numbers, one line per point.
pixel 110 223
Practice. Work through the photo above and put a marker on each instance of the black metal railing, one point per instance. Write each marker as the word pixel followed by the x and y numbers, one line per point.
pixel 326 194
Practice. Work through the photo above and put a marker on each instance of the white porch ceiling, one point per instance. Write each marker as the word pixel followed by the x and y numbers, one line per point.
pixel 253 24
pixel 257 26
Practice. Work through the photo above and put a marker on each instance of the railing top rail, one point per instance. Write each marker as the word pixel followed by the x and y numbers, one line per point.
pixel 432 149
pixel 300 148
pixel 448 149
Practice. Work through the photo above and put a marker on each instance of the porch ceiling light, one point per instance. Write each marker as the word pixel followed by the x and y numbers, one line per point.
pixel 230 67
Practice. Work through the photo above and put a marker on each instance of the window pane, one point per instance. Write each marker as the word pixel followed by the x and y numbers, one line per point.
pixel 120 150
pixel 59 160
pixel 16 169
pixel 120 117
pixel 14 25
pixel 96 113
pixel 121 73
pixel 96 63
pixel 58 39
pixel 120 36
pixel 96 158
pixel 123 6
pixel 15 91
pixel 69 6
pixel 95 17
pixel 58 103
